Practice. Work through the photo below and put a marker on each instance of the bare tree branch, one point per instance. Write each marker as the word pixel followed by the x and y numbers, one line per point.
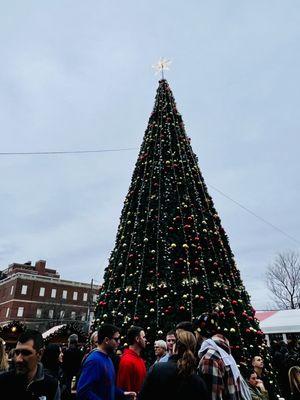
pixel 283 280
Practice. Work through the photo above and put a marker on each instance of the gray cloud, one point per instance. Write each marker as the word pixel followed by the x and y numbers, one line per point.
pixel 77 76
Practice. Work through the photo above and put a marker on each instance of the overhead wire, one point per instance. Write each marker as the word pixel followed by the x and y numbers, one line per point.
pixel 26 153
pixel 270 224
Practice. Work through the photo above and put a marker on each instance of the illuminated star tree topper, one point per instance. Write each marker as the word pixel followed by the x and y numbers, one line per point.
pixel 162 65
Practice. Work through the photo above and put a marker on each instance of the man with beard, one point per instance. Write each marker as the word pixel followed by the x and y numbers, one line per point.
pixel 28 381
pixel 132 368
pixel 97 379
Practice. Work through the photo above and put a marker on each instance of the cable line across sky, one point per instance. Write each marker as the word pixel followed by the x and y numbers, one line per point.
pixel 41 153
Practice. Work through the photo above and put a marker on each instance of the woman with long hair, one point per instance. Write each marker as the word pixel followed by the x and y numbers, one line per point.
pixel 51 360
pixel 177 378
pixel 3 357
pixel 294 380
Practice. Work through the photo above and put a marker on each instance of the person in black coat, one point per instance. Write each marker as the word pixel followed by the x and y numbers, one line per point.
pixel 28 380
pixel 71 365
pixel 177 378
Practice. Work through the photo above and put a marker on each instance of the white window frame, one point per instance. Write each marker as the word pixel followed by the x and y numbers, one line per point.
pixel 12 290
pixel 53 293
pixel 75 295
pixel 64 294
pixel 84 297
pixel 62 314
pixel 38 313
pixel 94 297
pixel 7 312
pixel 42 292
pixel 73 315
pixel 51 314
pixel 24 289
pixel 83 316
pixel 20 312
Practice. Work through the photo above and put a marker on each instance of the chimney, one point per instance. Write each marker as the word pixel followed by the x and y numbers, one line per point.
pixel 40 267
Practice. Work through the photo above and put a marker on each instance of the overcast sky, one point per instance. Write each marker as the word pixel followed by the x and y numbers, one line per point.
pixel 76 75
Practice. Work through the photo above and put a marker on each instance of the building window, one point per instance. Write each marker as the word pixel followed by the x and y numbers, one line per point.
pixel 83 317
pixel 7 312
pixel 91 316
pixel 53 293
pixel 42 291
pixel 62 314
pixel 38 312
pixel 64 294
pixel 73 314
pixel 94 297
pixel 12 290
pixel 20 311
pixel 75 294
pixel 24 289
pixel 51 312
pixel 84 296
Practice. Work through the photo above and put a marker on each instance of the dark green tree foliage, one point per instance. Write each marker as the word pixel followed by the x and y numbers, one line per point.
pixel 172 260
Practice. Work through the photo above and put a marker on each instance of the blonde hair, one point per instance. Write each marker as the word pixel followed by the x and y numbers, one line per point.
pixel 3 356
pixel 185 348
pixel 294 380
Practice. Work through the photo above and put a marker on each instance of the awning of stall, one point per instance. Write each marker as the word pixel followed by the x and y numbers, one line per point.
pixel 283 321
pixel 52 330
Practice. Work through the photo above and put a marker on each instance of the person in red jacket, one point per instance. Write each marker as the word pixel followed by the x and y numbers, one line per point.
pixel 132 368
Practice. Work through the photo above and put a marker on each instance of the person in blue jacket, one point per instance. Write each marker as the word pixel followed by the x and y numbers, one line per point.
pixel 97 379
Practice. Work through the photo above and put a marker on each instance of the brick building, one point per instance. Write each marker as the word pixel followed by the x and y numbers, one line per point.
pixel 38 297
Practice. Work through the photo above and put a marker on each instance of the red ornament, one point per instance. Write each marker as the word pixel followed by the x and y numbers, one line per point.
pixel 181 308
pixel 234 302
pixel 136 318
pixel 231 313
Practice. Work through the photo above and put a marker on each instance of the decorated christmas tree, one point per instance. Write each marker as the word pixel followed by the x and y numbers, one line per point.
pixel 172 259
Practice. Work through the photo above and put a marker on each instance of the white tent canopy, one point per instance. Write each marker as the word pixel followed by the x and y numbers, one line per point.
pixel 52 330
pixel 283 321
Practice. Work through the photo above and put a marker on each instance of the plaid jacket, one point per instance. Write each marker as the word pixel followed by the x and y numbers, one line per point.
pixel 218 377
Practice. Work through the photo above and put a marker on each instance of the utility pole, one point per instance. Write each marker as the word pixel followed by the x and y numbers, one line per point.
pixel 90 303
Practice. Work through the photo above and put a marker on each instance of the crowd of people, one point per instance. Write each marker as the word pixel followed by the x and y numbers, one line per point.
pixel 191 363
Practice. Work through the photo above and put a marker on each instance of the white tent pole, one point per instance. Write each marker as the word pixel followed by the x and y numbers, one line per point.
pixel 284 337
